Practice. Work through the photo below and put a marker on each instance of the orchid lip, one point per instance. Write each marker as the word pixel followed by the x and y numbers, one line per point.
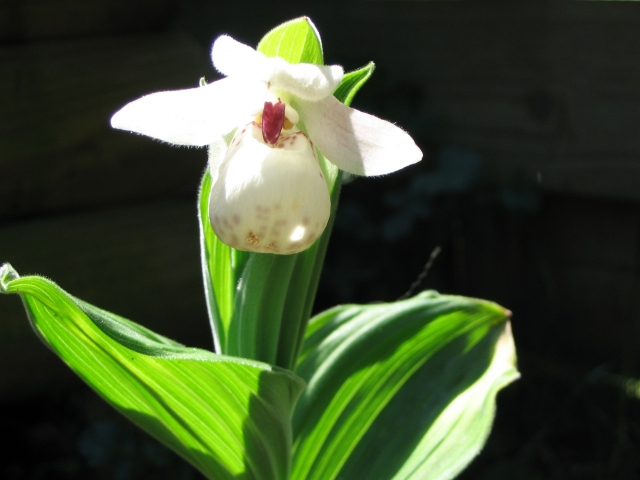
pixel 272 121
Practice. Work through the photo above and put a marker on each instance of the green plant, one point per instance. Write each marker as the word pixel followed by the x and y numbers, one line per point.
pixel 396 390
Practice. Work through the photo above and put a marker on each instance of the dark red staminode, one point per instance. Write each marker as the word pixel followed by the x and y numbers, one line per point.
pixel 272 121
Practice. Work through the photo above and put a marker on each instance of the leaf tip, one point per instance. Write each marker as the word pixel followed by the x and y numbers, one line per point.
pixel 7 274
pixel 506 352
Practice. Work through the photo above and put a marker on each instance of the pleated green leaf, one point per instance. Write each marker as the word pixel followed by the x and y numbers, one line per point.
pixel 400 391
pixel 229 417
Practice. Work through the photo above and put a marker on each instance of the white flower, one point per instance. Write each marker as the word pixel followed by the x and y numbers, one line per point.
pixel 269 193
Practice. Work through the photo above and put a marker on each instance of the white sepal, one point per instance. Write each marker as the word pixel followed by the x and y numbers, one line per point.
pixel 235 59
pixel 355 141
pixel 304 80
pixel 195 116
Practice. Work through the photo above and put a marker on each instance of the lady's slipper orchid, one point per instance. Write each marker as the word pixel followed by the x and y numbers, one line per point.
pixel 269 193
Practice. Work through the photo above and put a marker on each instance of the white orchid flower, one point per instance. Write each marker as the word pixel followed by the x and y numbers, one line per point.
pixel 269 193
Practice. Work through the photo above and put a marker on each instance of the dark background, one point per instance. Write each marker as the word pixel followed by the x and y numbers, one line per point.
pixel 529 116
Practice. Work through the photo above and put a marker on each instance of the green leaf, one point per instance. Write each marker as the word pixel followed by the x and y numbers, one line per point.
pixel 404 390
pixel 352 82
pixel 229 417
pixel 221 268
pixel 259 307
pixel 296 41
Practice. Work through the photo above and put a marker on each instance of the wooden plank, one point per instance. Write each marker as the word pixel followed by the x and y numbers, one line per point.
pixel 140 262
pixel 38 19
pixel 57 149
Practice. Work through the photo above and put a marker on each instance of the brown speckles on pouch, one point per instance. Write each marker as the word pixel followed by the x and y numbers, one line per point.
pixel 306 221
pixel 262 213
pixel 234 239
pixel 252 238
pixel 281 223
pixel 236 219
pixel 322 176
pixel 271 245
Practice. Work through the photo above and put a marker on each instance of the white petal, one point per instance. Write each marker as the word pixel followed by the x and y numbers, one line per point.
pixel 195 116
pixel 355 141
pixel 269 200
pixel 235 59
pixel 304 80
